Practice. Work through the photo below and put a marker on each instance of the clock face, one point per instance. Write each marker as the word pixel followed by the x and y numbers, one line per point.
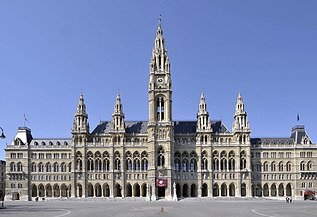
pixel 160 80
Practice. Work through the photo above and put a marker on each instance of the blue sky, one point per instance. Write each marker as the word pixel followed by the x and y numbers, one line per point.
pixel 50 50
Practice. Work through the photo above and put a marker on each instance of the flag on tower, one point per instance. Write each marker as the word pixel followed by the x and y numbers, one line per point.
pixel 25 120
pixel 297 117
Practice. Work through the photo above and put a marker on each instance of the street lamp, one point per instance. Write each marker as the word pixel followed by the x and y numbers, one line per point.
pixel 2 134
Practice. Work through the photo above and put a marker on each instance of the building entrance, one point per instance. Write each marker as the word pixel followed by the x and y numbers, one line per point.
pixel 161 192
pixel 15 196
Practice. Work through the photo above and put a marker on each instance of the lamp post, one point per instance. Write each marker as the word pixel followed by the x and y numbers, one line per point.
pixel 2 136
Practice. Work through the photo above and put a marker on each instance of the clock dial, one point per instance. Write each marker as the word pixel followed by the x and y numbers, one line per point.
pixel 160 80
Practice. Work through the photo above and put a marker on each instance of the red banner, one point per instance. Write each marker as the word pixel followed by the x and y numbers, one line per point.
pixel 161 182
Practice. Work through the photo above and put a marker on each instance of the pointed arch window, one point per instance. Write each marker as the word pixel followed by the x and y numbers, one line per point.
pixel 106 164
pixel 160 109
pixel 12 167
pixel 265 166
pixel 193 165
pixel 136 164
pixel 243 161
pixel 160 158
pixel 288 166
pixel 302 166
pixel 177 162
pixel 144 162
pixel 48 167
pixel 98 165
pixel 20 167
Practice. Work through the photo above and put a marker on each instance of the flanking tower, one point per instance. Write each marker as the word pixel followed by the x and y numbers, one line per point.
pixel 203 138
pixel 160 125
pixel 80 137
pixel 241 130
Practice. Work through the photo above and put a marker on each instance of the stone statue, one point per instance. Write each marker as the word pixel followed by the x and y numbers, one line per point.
pixel 174 192
pixel 148 198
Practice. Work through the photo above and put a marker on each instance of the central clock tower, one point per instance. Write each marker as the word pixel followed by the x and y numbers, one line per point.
pixel 160 125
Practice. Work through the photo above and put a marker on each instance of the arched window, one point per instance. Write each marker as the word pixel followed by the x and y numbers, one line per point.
pixel 177 162
pixel 48 167
pixel 160 157
pixel 63 167
pixel 185 165
pixel 144 161
pixel 273 166
pixel 204 164
pixel 79 164
pixel 106 164
pixel 309 165
pixel 280 166
pixel 302 165
pixel 117 162
pixel 144 165
pixel 90 164
pixel 20 167
pixel 128 161
pixel 215 161
pixel 12 167
pixel 243 161
pixel 136 164
pixel 41 167
pixel 136 161
pixel 55 167
pixel 98 165
pixel 193 165
pixel 288 166
pixel 265 166
pixel 232 162
pixel 128 164
pixel 193 162
pixel 33 167
pixel 90 161
pixel 204 161
pixel 160 108
pixel 223 161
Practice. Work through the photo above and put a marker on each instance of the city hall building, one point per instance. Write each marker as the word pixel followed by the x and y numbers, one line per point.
pixel 160 157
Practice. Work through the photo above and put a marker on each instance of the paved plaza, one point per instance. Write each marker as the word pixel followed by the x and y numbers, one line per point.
pixel 266 208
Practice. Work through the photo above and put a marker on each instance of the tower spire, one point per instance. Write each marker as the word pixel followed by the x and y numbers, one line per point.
pixel 160 83
pixel 118 115
pixel 203 120
pixel 80 124
pixel 241 124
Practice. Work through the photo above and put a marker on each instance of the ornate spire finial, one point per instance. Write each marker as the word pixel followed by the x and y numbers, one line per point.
pixel 202 96
pixel 118 93
pixel 159 27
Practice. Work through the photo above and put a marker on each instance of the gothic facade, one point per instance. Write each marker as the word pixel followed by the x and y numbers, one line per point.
pixel 160 157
